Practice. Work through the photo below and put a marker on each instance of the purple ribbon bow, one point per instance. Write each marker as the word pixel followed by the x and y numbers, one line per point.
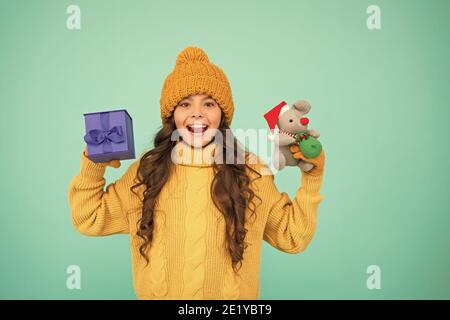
pixel 106 135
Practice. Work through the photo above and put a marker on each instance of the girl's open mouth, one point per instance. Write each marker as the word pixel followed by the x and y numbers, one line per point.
pixel 197 129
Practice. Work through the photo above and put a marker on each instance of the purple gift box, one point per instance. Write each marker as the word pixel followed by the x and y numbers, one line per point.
pixel 109 135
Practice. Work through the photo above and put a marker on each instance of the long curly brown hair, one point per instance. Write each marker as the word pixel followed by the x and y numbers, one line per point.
pixel 230 189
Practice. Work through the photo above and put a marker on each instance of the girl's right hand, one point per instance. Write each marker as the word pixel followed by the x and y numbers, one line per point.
pixel 318 162
pixel 112 163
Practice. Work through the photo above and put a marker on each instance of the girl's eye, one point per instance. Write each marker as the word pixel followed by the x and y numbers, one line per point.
pixel 184 104
pixel 210 104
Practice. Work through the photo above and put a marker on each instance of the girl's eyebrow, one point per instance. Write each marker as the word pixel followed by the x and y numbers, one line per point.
pixel 203 99
pixel 209 98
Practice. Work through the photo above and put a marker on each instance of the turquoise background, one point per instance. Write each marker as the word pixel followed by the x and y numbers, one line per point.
pixel 380 101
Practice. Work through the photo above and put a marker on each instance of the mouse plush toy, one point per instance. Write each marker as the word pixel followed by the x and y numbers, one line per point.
pixel 292 130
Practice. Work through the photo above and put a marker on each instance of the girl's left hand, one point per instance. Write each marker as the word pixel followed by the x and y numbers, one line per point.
pixel 318 162
pixel 112 163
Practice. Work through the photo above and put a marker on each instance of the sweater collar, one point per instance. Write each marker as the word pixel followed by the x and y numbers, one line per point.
pixel 190 156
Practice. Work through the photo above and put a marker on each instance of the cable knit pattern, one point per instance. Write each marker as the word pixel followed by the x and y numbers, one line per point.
pixel 232 282
pixel 158 277
pixel 195 244
pixel 188 258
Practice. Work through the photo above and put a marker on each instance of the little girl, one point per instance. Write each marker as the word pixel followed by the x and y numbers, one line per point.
pixel 196 224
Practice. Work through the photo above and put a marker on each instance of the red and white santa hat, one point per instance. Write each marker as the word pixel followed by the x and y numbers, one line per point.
pixel 273 115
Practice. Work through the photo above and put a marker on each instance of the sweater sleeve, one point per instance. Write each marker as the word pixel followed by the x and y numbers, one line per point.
pixel 290 225
pixel 96 212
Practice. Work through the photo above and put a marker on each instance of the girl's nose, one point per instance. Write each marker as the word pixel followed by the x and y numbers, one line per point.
pixel 197 113
pixel 304 121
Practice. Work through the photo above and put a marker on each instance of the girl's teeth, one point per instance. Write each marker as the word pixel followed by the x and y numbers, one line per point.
pixel 197 128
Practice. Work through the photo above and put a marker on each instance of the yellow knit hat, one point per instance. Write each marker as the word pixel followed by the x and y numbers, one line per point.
pixel 194 74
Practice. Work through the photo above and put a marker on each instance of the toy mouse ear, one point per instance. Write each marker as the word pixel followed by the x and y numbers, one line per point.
pixel 302 106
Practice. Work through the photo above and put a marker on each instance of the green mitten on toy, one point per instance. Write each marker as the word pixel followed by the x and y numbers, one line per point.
pixel 309 146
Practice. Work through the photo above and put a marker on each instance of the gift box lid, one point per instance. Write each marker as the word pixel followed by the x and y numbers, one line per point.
pixel 86 114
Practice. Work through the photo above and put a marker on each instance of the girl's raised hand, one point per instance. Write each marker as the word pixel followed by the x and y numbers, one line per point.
pixel 112 163
pixel 318 162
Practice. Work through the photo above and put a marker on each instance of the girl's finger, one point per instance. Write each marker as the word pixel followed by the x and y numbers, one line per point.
pixel 114 163
pixel 299 155
pixel 315 161
pixel 294 148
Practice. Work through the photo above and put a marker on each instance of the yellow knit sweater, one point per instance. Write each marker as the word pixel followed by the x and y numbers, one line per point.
pixel 188 259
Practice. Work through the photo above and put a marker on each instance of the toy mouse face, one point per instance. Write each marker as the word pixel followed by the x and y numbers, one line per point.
pixel 293 120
